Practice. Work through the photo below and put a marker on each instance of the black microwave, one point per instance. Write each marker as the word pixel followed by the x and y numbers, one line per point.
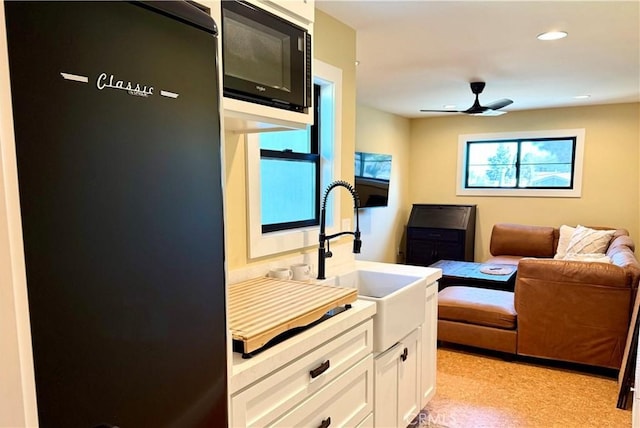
pixel 265 59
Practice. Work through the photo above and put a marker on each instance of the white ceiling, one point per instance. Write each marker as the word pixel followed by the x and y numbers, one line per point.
pixel 423 54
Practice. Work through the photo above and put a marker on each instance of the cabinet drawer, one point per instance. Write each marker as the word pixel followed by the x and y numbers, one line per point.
pixel 434 234
pixel 344 402
pixel 263 402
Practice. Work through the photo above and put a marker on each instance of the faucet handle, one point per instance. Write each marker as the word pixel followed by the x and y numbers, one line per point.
pixel 357 244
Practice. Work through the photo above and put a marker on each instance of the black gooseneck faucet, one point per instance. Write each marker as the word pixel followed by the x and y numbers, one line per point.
pixel 357 243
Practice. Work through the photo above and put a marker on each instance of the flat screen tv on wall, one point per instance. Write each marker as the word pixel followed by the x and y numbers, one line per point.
pixel 372 174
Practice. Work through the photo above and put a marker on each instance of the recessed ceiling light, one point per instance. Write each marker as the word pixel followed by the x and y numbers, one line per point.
pixel 357 62
pixel 582 97
pixel 552 35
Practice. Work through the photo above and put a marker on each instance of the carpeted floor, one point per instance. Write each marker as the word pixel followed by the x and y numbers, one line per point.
pixel 477 390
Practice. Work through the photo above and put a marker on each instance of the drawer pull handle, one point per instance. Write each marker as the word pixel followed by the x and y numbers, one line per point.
pixel 318 371
pixel 404 354
pixel 325 423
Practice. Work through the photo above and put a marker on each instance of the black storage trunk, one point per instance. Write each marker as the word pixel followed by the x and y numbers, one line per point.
pixel 440 232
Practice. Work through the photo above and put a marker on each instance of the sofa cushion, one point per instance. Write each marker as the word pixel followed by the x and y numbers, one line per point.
pixel 480 306
pixel 522 240
pixel 566 232
pixel 589 241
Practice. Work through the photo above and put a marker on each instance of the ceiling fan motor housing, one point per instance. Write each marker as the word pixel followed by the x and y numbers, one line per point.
pixel 477 87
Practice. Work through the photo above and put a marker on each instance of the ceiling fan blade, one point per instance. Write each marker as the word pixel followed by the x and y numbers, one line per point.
pixel 489 112
pixel 499 104
pixel 440 111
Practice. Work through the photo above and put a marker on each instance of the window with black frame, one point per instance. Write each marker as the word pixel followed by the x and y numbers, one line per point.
pixel 532 163
pixel 290 176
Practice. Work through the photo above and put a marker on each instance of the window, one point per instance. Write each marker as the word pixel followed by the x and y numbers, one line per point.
pixel 277 229
pixel 290 176
pixel 542 163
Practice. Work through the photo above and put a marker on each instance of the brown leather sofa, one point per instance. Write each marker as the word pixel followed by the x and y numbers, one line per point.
pixel 566 310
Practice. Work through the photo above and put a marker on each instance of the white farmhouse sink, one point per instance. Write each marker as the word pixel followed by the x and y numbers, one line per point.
pixel 399 302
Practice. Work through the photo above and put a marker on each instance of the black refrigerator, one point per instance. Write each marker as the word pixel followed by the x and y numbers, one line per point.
pixel 117 133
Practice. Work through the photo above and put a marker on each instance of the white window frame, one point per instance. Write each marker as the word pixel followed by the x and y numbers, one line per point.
pixel 263 244
pixel 576 192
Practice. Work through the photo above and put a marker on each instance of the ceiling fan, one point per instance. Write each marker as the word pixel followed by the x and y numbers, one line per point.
pixel 479 110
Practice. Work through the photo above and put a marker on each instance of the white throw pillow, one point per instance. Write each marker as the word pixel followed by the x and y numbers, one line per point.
pixel 589 241
pixel 566 232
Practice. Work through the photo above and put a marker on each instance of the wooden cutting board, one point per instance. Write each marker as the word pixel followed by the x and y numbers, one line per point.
pixel 262 308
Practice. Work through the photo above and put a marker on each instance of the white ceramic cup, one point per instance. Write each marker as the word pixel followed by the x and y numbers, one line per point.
pixel 280 273
pixel 301 272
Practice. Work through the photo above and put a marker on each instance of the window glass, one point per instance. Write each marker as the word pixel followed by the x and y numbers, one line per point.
pixel 491 164
pixel 286 190
pixel 296 141
pixel 547 163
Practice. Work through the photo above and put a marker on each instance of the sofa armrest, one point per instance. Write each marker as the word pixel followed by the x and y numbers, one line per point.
pixel 573 311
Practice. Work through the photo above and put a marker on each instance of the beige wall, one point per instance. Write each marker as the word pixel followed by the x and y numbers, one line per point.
pixel 382 228
pixel 610 187
pixel 334 43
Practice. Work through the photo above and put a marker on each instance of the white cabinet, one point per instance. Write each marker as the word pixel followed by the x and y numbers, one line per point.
pixel 428 344
pixel 397 383
pixel 405 374
pixel 356 389
pixel 301 9
pixel 323 375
